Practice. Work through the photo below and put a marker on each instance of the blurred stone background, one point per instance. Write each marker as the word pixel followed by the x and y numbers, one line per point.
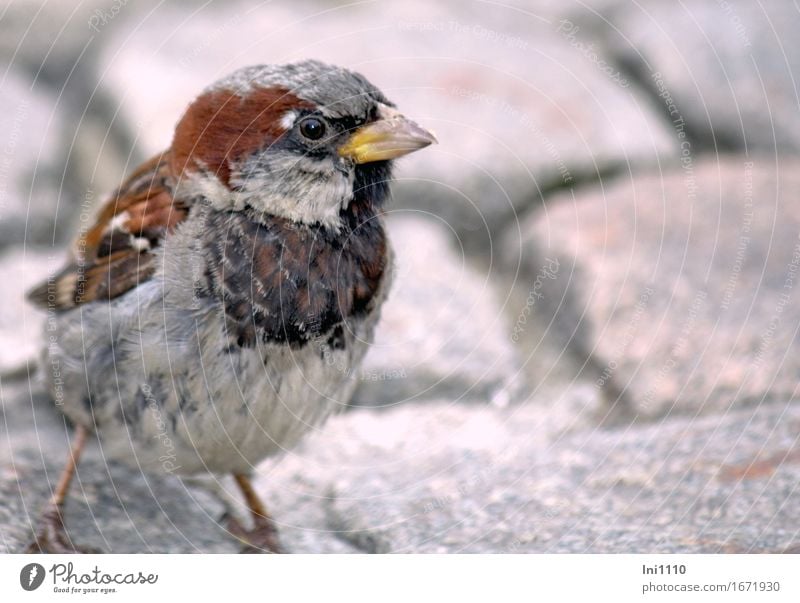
pixel 592 342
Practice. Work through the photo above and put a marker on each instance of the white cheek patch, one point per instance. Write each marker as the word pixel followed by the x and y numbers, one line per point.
pixel 298 188
pixel 288 119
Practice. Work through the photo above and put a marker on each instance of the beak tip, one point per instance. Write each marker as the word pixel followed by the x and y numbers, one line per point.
pixel 387 138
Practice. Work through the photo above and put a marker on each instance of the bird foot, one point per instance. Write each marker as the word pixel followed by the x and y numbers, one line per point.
pixel 52 537
pixel 263 538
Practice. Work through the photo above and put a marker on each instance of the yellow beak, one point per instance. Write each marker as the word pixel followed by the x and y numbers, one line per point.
pixel 393 135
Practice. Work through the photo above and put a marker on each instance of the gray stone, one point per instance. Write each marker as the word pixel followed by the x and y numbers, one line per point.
pixel 730 66
pixel 82 147
pixel 442 331
pixel 30 129
pixel 22 326
pixel 679 287
pixel 442 478
pixel 51 41
pixel 518 108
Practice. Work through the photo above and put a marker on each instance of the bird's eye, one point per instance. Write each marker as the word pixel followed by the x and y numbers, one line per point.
pixel 312 128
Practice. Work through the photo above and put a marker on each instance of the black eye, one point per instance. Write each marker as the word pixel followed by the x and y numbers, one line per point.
pixel 312 128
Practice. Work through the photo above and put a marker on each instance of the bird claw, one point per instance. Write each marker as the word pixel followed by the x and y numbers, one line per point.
pixel 52 537
pixel 263 538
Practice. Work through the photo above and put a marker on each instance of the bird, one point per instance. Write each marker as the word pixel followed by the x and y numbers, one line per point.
pixel 220 304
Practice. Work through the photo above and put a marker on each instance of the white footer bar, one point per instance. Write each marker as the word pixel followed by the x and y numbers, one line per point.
pixel 406 578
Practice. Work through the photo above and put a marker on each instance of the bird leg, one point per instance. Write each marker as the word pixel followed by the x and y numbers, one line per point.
pixel 263 538
pixel 52 537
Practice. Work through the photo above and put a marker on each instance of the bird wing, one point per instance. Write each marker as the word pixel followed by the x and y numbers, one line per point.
pixel 116 253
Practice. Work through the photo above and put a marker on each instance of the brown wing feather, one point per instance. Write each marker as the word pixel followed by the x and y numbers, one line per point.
pixel 115 254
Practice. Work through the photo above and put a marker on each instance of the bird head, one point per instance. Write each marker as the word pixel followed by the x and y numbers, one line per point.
pixel 301 141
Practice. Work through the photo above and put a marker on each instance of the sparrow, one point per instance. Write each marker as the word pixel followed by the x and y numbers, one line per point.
pixel 220 305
